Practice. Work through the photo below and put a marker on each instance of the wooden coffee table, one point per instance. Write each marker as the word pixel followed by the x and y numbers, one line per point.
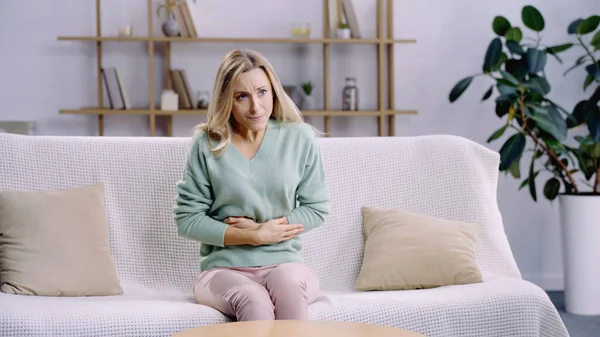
pixel 282 328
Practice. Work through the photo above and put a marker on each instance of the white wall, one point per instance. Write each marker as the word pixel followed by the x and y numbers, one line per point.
pixel 42 75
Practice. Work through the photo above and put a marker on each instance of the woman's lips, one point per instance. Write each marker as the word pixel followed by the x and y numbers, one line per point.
pixel 255 118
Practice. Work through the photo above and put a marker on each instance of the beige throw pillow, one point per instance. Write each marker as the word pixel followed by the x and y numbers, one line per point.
pixel 404 250
pixel 55 243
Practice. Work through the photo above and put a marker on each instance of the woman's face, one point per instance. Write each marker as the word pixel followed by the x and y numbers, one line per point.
pixel 252 100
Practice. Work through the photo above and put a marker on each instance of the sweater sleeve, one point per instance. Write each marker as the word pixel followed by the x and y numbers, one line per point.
pixel 194 198
pixel 312 194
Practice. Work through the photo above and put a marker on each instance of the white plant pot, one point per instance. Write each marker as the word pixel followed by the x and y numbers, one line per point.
pixel 580 229
pixel 343 33
pixel 308 103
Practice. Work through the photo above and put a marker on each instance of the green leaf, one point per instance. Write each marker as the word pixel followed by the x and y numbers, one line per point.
pixel 539 85
pixel 595 151
pixel 536 60
pixel 515 169
pixel 550 120
pixel 581 60
pixel 511 150
pixel 559 48
pixel 596 40
pixel 514 47
pixel 460 88
pixel 488 93
pixel 532 18
pixel 573 26
pixel 543 84
pixel 588 80
pixel 589 151
pixel 510 78
pixel 517 67
pixel 593 124
pixel 578 115
pixel 594 71
pixel 492 55
pixel 584 140
pixel 588 25
pixel 556 146
pixel 532 188
pixel 526 181
pixel 551 188
pixel 506 83
pixel 586 164
pixel 514 34
pixel 500 25
pixel 497 134
pixel 556 57
pixel 498 65
pixel 502 108
pixel 506 90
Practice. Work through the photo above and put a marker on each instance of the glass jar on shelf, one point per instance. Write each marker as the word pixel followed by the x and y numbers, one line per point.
pixel 350 95
pixel 202 100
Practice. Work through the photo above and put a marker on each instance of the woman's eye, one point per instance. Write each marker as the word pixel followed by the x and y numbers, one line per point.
pixel 242 96
pixel 263 91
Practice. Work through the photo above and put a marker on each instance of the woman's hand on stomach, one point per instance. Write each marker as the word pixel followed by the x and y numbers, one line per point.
pixel 277 230
pixel 266 233
pixel 242 222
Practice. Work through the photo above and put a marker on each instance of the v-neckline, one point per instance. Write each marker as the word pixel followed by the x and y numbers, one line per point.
pixel 265 144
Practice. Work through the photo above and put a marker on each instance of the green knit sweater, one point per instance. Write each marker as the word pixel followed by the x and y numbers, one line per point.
pixel 285 178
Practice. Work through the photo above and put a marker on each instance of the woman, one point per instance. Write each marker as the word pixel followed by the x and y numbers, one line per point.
pixel 253 181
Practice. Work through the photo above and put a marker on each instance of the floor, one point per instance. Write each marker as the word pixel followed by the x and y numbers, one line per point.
pixel 578 326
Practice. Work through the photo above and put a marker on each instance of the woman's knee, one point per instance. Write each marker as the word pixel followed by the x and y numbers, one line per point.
pixel 293 279
pixel 235 295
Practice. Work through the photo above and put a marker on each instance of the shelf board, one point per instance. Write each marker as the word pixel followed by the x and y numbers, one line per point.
pixel 192 112
pixel 235 40
pixel 103 38
pixel 106 111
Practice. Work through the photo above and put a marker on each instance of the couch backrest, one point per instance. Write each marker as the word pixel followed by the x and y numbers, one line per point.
pixel 443 176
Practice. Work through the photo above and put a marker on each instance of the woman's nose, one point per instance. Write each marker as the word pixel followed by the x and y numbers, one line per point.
pixel 254 104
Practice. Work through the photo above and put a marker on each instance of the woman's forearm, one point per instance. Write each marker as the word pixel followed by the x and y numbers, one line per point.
pixel 237 236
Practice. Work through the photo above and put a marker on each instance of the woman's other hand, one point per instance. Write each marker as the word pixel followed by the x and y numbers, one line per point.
pixel 277 230
pixel 242 222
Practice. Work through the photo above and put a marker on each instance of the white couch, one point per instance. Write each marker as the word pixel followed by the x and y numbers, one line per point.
pixel 443 176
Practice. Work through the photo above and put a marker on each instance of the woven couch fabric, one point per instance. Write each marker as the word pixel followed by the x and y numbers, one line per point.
pixel 443 176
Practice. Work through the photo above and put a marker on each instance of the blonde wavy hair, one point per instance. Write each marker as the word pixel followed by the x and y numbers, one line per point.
pixel 218 126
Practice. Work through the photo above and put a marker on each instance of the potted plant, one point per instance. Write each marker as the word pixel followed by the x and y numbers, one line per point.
pixel 343 31
pixel 307 100
pixel 539 130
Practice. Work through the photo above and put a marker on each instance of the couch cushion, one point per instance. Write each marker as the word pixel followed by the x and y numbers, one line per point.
pixel 55 243
pixel 406 250
pixel 500 307
pixel 133 314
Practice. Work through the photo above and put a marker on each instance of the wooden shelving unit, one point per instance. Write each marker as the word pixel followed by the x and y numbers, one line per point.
pixel 384 44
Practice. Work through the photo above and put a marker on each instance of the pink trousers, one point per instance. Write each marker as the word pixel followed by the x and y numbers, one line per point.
pixel 281 291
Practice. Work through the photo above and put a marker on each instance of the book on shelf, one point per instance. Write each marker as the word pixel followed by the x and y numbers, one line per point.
pixel 115 88
pixel 184 18
pixel 182 87
pixel 342 11
pixel 351 19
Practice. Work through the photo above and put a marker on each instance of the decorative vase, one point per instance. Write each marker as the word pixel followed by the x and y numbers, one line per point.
pixel 170 27
pixel 343 33
pixel 308 103
pixel 580 229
